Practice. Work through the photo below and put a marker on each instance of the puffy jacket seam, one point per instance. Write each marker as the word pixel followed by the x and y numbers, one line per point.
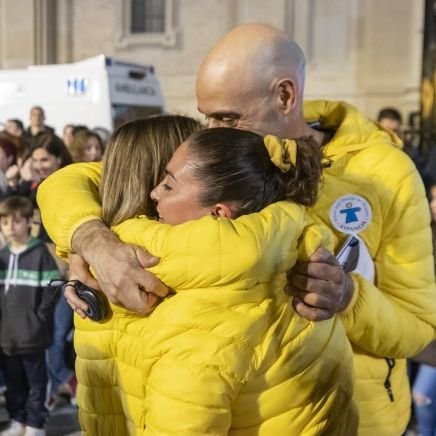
pixel 211 368
pixel 185 401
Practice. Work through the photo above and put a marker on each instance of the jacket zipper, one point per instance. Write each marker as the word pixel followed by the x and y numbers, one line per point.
pixel 388 387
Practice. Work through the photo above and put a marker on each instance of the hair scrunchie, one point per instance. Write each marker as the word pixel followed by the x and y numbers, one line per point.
pixel 283 152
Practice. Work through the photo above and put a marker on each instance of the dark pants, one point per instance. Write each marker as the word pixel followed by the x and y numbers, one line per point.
pixel 26 382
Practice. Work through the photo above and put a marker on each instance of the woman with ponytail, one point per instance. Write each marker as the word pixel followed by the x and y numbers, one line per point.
pixel 225 352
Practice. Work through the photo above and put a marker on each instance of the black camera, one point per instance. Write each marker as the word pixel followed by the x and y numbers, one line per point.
pixel 97 306
pixel 94 299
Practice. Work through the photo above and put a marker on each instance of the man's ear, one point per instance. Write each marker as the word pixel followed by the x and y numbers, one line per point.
pixel 222 210
pixel 287 95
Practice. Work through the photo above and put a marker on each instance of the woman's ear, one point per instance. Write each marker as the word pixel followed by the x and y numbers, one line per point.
pixel 222 210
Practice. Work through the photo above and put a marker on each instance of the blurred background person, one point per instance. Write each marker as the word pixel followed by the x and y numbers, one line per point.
pixel 47 156
pixel 103 133
pixel 8 157
pixel 68 134
pixel 37 126
pixel 86 146
pixel 14 127
pixel 391 119
pixel 27 306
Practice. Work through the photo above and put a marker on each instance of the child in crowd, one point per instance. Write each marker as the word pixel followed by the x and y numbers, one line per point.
pixel 47 155
pixel 26 306
pixel 226 352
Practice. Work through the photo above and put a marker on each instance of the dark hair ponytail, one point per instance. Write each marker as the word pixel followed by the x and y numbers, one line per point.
pixel 234 165
pixel 302 180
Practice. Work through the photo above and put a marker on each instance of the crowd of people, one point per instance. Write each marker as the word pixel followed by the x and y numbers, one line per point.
pixel 27 157
pixel 244 320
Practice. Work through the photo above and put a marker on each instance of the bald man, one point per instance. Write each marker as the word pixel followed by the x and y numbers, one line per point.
pixel 372 196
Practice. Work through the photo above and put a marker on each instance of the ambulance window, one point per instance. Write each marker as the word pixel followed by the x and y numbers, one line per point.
pixel 123 113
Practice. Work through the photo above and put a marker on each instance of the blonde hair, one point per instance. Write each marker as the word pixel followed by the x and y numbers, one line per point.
pixel 134 162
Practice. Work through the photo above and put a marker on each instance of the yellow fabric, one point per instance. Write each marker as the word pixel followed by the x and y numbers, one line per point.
pixel 69 197
pixel 283 152
pixel 226 354
pixel 396 316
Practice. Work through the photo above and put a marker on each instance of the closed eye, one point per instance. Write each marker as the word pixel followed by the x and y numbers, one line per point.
pixel 229 122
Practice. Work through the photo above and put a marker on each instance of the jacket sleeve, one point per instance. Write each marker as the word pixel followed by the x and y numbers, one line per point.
pixel 231 248
pixel 201 360
pixel 211 393
pixel 68 198
pixel 397 316
pixel 314 235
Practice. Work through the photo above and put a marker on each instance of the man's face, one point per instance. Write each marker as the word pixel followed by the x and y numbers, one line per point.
pixel 227 107
pixel 391 124
pixel 36 117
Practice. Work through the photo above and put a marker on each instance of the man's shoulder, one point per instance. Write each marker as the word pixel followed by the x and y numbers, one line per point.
pixel 385 156
pixel 48 129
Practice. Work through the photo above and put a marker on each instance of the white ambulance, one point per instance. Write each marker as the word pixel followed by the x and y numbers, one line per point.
pixel 96 92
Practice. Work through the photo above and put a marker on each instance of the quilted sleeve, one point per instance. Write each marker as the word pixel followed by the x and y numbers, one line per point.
pixel 68 198
pixel 314 236
pixel 397 316
pixel 210 391
pixel 200 361
pixel 220 250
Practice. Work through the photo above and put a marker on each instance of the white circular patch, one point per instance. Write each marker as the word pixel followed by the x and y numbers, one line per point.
pixel 351 214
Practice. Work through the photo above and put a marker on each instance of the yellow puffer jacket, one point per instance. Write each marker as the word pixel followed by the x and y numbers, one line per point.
pixel 395 317
pixel 226 354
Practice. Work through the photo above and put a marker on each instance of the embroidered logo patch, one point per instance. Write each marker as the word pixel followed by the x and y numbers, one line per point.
pixel 351 214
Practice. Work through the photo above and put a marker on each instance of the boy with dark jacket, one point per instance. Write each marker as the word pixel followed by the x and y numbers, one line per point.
pixel 26 307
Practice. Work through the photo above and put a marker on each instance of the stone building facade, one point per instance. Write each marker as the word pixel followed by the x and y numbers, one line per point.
pixel 367 52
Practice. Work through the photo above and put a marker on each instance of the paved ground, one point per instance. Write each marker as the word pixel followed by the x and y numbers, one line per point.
pixel 63 421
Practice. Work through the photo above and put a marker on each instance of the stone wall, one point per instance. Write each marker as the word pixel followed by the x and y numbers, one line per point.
pixel 367 52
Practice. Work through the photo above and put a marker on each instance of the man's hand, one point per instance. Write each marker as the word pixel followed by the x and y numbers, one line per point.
pixel 118 267
pixel 320 287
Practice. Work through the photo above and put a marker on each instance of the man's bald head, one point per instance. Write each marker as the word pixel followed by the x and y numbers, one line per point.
pixel 258 53
pixel 253 61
